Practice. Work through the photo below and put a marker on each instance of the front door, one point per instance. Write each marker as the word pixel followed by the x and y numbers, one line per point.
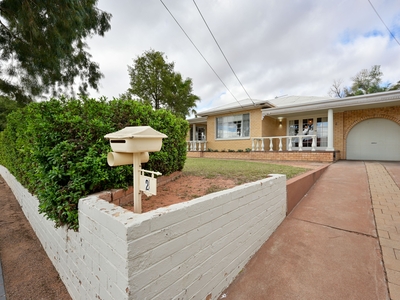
pixel 307 127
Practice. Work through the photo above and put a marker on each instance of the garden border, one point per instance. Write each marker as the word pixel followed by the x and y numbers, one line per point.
pixel 190 249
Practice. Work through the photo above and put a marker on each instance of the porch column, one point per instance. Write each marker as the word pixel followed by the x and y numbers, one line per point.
pixel 194 133
pixel 330 131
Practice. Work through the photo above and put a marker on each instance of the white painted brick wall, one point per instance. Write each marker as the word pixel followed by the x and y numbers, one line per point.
pixel 188 250
pixel 91 262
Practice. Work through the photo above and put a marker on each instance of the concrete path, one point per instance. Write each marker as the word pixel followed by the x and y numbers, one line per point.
pixel 384 180
pixel 329 246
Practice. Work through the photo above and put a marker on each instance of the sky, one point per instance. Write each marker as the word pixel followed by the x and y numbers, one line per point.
pixel 276 48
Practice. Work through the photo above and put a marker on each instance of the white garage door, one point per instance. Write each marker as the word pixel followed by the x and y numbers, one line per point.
pixel 374 139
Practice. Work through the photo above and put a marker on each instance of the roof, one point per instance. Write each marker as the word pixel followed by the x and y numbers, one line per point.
pixel 246 104
pixel 236 107
pixel 295 100
pixel 385 99
pixel 289 105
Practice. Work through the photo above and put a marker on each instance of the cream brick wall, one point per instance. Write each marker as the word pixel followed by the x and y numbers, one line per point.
pixel 317 156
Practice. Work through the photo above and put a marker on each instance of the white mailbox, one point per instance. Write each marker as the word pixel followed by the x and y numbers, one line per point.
pixel 132 145
pixel 136 139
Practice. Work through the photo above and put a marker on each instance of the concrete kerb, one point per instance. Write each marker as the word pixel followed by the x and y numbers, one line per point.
pixel 298 186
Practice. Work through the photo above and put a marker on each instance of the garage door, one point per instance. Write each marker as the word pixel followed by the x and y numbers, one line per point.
pixel 374 139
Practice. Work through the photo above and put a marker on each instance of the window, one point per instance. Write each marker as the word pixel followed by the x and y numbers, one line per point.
pixel 322 132
pixel 200 134
pixel 309 126
pixel 233 127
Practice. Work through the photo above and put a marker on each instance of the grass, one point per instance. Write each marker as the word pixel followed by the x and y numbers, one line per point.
pixel 239 170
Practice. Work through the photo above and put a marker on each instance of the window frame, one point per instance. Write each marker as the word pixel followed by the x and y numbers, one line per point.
pixel 242 127
pixel 316 129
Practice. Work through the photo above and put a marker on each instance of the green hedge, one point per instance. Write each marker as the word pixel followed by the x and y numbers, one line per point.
pixel 57 149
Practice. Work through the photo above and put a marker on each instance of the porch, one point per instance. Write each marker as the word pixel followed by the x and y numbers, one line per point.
pixel 277 148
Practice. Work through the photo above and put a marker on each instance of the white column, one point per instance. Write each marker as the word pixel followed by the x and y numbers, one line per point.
pixel 194 133
pixel 330 131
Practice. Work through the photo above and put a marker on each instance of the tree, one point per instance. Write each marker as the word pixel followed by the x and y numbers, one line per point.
pixel 42 47
pixel 395 87
pixel 6 107
pixel 336 89
pixel 367 82
pixel 364 82
pixel 154 81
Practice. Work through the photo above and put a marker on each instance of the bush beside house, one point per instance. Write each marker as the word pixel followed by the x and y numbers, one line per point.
pixel 57 149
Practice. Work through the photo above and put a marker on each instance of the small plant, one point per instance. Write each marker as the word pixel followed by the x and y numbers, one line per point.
pixel 216 150
pixel 223 150
pixel 209 150
pixel 230 150
pixel 240 150
pixel 248 150
pixel 214 188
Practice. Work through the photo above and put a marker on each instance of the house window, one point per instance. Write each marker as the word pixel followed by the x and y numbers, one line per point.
pixel 200 134
pixel 309 126
pixel 233 127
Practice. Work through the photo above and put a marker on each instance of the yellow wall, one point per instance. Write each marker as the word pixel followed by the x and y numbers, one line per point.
pixel 258 127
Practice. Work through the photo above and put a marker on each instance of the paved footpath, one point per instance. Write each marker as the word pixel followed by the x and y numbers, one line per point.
pixel 384 182
pixel 330 246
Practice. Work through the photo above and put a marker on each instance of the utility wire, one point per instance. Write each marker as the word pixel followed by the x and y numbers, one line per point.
pixel 222 52
pixel 200 53
pixel 384 23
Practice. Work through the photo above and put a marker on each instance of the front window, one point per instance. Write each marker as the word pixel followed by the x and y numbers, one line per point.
pixel 308 127
pixel 232 127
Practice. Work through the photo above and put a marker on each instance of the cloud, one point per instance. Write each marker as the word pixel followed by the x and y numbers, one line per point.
pixel 275 47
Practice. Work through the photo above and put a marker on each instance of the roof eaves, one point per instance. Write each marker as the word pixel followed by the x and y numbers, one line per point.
pixel 335 103
pixel 234 109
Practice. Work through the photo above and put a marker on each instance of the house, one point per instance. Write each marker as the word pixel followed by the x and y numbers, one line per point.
pixel 363 127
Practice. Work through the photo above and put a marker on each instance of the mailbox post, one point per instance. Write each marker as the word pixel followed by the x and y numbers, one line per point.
pixel 132 145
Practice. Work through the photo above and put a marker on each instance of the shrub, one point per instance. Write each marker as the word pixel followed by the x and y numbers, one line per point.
pixel 248 150
pixel 57 149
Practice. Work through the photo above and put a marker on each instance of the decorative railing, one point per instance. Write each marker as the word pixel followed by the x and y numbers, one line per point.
pixel 260 143
pixel 196 145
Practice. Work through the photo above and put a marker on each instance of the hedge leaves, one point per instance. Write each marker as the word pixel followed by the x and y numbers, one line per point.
pixel 57 150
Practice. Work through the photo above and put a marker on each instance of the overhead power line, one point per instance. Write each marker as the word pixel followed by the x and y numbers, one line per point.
pixel 383 22
pixel 200 52
pixel 222 52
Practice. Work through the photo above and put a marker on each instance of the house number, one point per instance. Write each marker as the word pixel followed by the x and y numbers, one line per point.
pixel 148 185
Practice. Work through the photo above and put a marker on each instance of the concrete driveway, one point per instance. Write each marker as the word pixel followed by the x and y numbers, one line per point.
pixel 341 242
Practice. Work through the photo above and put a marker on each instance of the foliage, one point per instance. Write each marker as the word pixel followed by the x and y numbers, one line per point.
pixel 57 149
pixel 6 106
pixel 43 49
pixel 155 82
pixel 364 82
pixel 367 82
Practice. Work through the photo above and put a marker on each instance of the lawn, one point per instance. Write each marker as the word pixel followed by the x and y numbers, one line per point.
pixel 240 170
